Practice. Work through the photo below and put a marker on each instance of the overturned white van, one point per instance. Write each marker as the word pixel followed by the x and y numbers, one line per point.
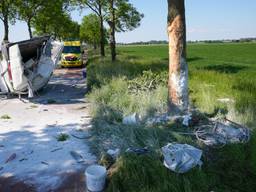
pixel 27 66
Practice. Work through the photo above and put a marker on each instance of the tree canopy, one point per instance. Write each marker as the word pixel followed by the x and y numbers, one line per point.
pixel 28 9
pixel 54 19
pixel 90 30
pixel 7 15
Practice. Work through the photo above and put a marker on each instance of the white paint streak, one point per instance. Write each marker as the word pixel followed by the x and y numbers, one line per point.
pixel 180 81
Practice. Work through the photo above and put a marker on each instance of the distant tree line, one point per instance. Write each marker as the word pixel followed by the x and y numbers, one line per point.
pixel 225 40
pixel 159 42
pixel 152 42
pixel 53 18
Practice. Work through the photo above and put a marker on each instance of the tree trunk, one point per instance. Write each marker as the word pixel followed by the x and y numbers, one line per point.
pixel 112 25
pixel 6 29
pixel 178 68
pixel 29 29
pixel 102 34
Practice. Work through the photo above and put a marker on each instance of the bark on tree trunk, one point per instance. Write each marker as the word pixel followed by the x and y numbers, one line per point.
pixel 29 29
pixel 6 29
pixel 178 68
pixel 112 25
pixel 102 39
pixel 102 35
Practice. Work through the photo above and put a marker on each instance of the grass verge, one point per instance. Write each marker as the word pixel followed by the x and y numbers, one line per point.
pixel 221 82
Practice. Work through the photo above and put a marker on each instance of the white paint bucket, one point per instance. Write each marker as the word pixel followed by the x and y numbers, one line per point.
pixel 95 178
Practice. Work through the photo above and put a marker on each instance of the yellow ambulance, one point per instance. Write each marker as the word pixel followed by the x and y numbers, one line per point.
pixel 71 54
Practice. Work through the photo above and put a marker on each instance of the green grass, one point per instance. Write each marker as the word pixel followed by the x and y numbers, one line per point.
pixel 137 81
pixel 62 137
pixel 6 117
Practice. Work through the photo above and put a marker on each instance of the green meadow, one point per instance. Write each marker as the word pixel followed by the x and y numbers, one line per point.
pixel 222 80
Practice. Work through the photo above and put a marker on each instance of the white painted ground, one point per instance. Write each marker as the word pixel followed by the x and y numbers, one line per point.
pixel 31 134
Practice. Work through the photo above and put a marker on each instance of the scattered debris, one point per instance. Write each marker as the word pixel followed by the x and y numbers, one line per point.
pixel 77 156
pixel 114 153
pixel 232 132
pixel 23 159
pixel 1 168
pixel 138 151
pixel 1 145
pixel 186 120
pixel 81 108
pixel 44 162
pixel 106 160
pixel 57 149
pixel 223 133
pixel 226 100
pixel 33 106
pixel 11 158
pixel 6 117
pixel 180 158
pixel 81 137
pixel 131 119
pixel 62 137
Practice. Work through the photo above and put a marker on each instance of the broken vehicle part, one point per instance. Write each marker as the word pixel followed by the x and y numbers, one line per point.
pixel 224 132
pixel 27 66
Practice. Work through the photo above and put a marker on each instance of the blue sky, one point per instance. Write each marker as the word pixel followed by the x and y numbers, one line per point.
pixel 206 19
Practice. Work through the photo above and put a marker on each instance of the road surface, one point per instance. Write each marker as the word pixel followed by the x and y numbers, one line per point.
pixel 31 156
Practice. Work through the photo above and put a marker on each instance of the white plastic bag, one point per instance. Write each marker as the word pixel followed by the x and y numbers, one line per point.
pixel 180 158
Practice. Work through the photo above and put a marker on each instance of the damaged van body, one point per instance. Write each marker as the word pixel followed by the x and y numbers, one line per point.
pixel 27 66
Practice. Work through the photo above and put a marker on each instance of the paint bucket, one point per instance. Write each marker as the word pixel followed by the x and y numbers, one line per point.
pixel 95 178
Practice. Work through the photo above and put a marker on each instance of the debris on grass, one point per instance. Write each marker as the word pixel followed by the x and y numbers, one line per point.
pixel 233 132
pixel 226 100
pixel 222 133
pixel 138 151
pixel 106 160
pixel 62 137
pixel 181 158
pixel 131 119
pixel 114 153
pixel 186 120
pixel 6 117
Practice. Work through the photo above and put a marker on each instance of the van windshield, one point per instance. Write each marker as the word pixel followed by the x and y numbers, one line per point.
pixel 71 49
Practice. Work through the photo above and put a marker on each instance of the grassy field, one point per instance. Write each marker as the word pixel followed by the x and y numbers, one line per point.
pixel 215 71
pixel 221 80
